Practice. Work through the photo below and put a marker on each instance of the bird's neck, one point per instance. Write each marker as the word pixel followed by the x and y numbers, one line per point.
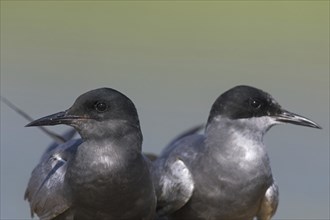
pixel 227 135
pixel 102 164
pixel 118 134
pixel 110 152
pixel 237 146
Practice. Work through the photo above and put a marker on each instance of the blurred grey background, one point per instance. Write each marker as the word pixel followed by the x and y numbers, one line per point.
pixel 173 59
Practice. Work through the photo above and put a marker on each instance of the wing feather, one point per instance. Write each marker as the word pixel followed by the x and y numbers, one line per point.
pixel 47 192
pixel 177 187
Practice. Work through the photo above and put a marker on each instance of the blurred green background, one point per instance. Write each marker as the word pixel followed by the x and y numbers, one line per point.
pixel 173 59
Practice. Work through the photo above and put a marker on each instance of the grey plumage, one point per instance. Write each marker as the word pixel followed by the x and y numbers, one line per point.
pixel 101 176
pixel 224 173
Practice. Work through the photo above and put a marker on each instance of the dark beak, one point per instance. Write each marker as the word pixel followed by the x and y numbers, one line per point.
pixel 55 119
pixel 289 117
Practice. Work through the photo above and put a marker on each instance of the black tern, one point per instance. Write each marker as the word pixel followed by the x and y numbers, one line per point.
pixel 225 173
pixel 103 175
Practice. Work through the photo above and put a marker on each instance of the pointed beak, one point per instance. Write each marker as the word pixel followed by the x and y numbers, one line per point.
pixel 55 119
pixel 292 118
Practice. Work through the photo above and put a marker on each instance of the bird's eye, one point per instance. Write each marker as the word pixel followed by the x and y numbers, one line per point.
pixel 101 106
pixel 256 104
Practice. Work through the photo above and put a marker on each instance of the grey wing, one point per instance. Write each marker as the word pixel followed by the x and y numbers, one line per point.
pixel 171 172
pixel 174 187
pixel 46 192
pixel 174 143
pixel 269 203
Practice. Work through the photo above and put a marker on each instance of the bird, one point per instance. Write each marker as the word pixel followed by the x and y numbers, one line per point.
pixel 224 173
pixel 103 174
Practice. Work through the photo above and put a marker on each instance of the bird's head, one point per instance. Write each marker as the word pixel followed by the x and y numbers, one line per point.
pixel 95 113
pixel 249 104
